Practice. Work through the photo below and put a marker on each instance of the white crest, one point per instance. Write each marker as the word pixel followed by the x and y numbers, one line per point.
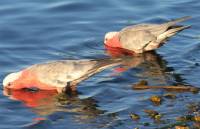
pixel 10 78
pixel 109 35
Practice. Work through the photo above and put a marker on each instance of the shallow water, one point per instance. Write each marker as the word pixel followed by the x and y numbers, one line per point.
pixel 37 31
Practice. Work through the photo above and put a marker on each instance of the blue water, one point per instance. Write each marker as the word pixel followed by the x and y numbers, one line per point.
pixel 36 31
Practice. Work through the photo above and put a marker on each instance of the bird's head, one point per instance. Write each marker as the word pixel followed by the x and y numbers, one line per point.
pixel 10 79
pixel 109 36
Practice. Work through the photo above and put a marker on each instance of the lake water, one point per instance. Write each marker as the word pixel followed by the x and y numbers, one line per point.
pixel 36 31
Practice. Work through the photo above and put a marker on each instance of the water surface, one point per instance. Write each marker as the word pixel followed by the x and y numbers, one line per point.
pixel 35 31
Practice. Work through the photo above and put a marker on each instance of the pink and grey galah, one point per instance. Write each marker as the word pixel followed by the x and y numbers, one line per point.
pixel 57 75
pixel 144 37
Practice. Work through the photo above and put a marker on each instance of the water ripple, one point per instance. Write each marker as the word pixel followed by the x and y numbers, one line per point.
pixel 37 31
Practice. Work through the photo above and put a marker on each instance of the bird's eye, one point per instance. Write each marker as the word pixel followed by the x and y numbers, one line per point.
pixel 9 84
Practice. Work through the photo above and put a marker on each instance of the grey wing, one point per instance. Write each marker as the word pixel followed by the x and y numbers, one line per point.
pixel 146 37
pixel 155 29
pixel 140 27
pixel 58 73
pixel 136 41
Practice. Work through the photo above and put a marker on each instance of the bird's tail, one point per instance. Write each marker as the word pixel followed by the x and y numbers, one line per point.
pixel 173 30
pixel 170 32
pixel 101 64
pixel 108 62
pixel 175 21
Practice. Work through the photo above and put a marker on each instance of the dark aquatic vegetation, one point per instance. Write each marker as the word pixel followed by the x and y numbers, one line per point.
pixel 38 31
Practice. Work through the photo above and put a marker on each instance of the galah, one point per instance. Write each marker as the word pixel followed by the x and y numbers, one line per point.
pixel 144 37
pixel 57 75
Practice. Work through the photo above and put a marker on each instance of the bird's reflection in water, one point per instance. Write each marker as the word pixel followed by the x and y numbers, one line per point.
pixel 46 103
pixel 150 66
pixel 30 98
